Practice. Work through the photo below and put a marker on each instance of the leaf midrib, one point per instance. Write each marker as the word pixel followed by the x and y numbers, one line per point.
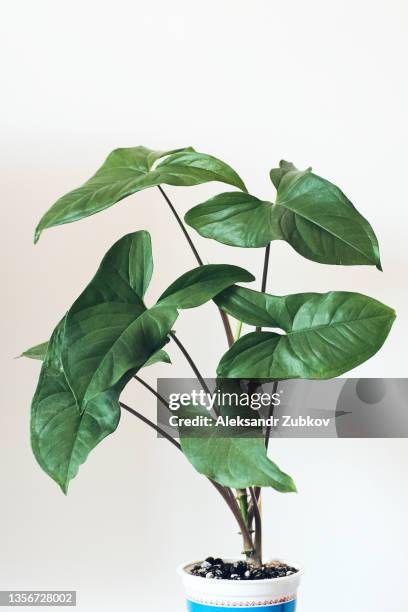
pixel 330 232
pixel 336 324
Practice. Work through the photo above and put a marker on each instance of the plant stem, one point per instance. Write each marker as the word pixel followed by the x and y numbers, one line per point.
pixel 191 362
pixel 150 424
pixel 265 268
pixel 242 497
pixel 227 327
pixel 243 503
pixel 224 491
pixel 254 511
pixel 258 529
pixel 270 414
pixel 238 331
pixel 181 224
pixel 265 273
pixel 249 549
pixel 159 397
pixel 224 316
pixel 267 437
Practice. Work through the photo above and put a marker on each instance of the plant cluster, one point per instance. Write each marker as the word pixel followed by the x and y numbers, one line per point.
pixel 110 333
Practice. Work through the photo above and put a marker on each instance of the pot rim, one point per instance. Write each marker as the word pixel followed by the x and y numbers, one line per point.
pixel 182 571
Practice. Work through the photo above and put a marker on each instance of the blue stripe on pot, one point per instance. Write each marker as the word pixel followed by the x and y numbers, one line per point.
pixel 288 606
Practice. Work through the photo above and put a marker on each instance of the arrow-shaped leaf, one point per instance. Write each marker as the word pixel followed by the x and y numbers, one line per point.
pixel 108 330
pixel 202 284
pixel 234 218
pixel 127 171
pixel 328 335
pixel 310 213
pixel 62 437
pixel 319 222
pixel 235 460
pixel 262 309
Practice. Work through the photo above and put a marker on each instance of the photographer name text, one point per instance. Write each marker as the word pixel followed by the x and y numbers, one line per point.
pixel 236 421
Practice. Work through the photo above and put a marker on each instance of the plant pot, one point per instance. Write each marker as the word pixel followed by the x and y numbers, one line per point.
pixel 209 595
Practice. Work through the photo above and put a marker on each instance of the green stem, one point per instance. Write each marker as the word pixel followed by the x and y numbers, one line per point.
pixel 190 362
pixel 242 497
pixel 254 511
pixel 223 491
pixel 155 393
pixel 181 224
pixel 265 273
pixel 238 331
pixel 150 424
pixel 258 528
pixel 224 316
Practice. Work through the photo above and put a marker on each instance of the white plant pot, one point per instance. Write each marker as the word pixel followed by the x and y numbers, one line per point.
pixel 210 595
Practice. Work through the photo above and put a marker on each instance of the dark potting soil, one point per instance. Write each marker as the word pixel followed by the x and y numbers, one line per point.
pixel 240 570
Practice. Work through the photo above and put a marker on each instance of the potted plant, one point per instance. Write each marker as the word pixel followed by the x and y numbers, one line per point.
pixel 109 334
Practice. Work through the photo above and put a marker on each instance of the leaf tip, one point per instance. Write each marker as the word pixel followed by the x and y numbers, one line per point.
pixel 37 234
pixel 293 487
pixel 64 487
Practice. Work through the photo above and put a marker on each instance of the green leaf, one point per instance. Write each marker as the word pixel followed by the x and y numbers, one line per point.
pixel 320 223
pixel 61 436
pixel 235 218
pixel 188 167
pixel 127 171
pixel 329 335
pixel 201 284
pixel 157 357
pixel 105 365
pixel 108 330
pixel 310 213
pixel 104 339
pixel 36 352
pixel 262 309
pixel 277 174
pixel 232 461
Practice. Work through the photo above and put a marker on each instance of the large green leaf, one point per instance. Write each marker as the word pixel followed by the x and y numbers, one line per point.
pixel 108 330
pixel 97 367
pixel 104 339
pixel 310 213
pixel 329 335
pixel 61 436
pixel 201 284
pixel 262 309
pixel 234 460
pixel 235 218
pixel 127 171
pixel 319 222
pixel 187 167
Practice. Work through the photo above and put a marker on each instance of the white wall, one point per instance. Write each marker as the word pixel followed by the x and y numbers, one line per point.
pixel 320 83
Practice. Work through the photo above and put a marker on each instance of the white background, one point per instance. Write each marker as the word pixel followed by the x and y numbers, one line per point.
pixel 320 83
